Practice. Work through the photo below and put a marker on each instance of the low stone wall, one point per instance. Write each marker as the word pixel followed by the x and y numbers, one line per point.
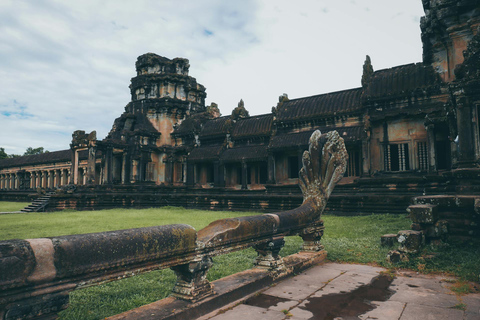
pixel 17 196
pixel 364 196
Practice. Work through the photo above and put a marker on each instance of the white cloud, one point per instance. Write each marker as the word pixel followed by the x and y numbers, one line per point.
pixel 69 64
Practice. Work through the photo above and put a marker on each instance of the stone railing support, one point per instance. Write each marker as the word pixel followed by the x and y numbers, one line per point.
pixel 268 255
pixel 192 283
pixel 312 236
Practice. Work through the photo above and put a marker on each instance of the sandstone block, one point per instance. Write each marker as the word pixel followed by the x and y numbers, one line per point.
pixel 423 213
pixel 410 241
pixel 388 240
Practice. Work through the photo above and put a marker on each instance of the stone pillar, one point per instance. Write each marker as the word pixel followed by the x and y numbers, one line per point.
pixel 108 168
pixel 271 168
pixel 52 179
pixel 91 162
pixel 58 178
pixel 219 174
pixel 190 174
pixel 169 170
pixel 84 182
pixel 126 168
pixel 244 175
pixel 300 160
pixel 366 155
pixel 17 181
pixel 432 160
pixel 1 181
pixel 466 153
pixel 74 168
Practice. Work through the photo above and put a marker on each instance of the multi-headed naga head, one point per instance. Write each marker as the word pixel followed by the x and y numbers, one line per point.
pixel 323 166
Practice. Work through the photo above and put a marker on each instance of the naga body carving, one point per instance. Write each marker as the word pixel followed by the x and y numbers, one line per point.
pixel 36 275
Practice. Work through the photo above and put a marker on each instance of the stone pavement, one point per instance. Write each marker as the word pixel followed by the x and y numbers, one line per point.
pixel 349 291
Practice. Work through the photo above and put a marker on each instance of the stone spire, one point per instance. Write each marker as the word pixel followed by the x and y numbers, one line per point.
pixel 367 72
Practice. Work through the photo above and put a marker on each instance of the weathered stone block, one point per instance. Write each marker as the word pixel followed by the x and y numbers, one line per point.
pixel 410 241
pixel 423 213
pixel 388 240
pixel 416 226
pixel 476 206
pixel 396 256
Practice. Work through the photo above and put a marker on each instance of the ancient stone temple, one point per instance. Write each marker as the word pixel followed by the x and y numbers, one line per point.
pixel 410 131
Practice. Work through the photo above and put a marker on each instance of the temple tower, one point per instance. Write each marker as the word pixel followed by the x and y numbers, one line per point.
pixel 447 28
pixel 165 93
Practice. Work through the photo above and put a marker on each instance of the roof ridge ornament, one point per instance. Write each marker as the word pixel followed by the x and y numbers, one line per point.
pixel 367 72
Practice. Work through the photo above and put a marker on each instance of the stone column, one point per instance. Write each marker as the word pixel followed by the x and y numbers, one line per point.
pixel 16 181
pixel 126 168
pixel 84 182
pixel 366 155
pixel 190 174
pixel 108 168
pixel 432 160
pixel 244 175
pixel 52 179
pixel 300 161
pixel 271 168
pixel 91 162
pixel 219 174
pixel 466 153
pixel 57 180
pixel 1 181
pixel 169 170
pixel 74 169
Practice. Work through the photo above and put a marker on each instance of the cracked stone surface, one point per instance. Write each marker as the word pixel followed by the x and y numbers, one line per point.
pixel 409 296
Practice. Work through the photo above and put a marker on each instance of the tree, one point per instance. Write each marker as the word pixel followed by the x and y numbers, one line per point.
pixel 31 151
pixel 3 154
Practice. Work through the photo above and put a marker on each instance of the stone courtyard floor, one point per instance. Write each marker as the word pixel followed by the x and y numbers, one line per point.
pixel 350 291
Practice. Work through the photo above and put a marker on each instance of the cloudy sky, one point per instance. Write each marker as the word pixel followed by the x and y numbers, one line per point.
pixel 66 65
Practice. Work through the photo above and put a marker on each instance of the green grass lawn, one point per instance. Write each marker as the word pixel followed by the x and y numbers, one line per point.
pixel 9 206
pixel 347 239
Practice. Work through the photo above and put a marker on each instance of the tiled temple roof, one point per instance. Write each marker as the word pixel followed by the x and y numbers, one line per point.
pixel 49 157
pixel 249 153
pixel 136 123
pixel 205 153
pixel 191 125
pixel 253 126
pixel 300 139
pixel 401 80
pixel 328 104
pixel 215 127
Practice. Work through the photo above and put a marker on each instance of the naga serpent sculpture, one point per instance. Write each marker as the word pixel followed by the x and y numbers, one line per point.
pixel 37 275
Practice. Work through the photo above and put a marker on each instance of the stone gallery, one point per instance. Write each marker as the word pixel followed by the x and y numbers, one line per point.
pixel 411 131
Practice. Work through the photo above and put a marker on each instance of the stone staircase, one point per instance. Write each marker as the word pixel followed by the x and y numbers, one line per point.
pixel 38 204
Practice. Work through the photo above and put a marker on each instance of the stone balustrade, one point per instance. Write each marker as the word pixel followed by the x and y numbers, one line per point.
pixel 37 275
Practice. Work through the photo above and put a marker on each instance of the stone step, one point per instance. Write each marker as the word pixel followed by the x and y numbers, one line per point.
pixel 423 213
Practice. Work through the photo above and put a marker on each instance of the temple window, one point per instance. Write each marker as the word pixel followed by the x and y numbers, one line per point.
pixel 422 155
pixel 396 157
pixel 292 167
pixel 353 168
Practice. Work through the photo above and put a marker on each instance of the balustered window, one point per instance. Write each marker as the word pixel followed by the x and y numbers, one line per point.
pixel 422 156
pixel 396 157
